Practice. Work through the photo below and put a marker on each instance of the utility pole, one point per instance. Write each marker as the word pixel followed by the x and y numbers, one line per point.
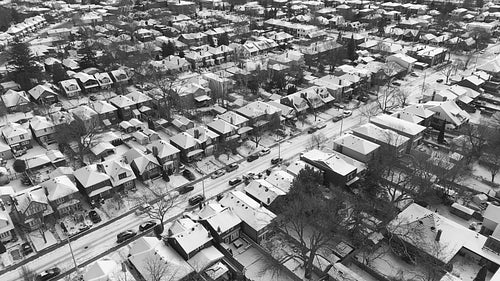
pixel 342 122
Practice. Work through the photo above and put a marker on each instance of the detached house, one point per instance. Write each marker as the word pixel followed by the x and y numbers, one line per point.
pixel 205 137
pixel 124 105
pixel 43 129
pixel 222 222
pixel 121 175
pixel 263 191
pixel 167 155
pixel 17 137
pixel 6 227
pixel 43 94
pixel 16 101
pixel 146 167
pixel 356 147
pixel 119 76
pixel 188 145
pixel 225 130
pixel 104 80
pixel 86 115
pixel 108 114
pixel 259 113
pixel 383 137
pixel 63 195
pixel 93 183
pixel 412 131
pixel 337 171
pixel 188 237
pixel 70 88
pixel 31 207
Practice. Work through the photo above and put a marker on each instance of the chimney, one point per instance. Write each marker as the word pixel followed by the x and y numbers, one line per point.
pixel 438 235
pixel 196 134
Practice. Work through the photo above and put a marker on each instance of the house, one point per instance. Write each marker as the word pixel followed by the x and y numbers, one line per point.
pixel 70 88
pixel 16 101
pixel 190 148
pixel 356 147
pixel 416 110
pixel 121 175
pixel 86 115
pixel 104 80
pixel 226 131
pixel 7 232
pixel 124 105
pixel 412 131
pixel 93 183
pixel 87 82
pixel 43 129
pixel 262 191
pixel 182 123
pixel 31 207
pixel 223 224
pixel 108 114
pixel 297 102
pixel 206 138
pixel 281 179
pixel 234 118
pixel 146 167
pixel 139 99
pixel 63 195
pixel 43 94
pixel 403 60
pixel 103 269
pixel 5 151
pixel 336 171
pixel 491 219
pixel 119 76
pixel 188 237
pixel 387 139
pixel 103 149
pixel 56 157
pixel 17 137
pixel 447 112
pixel 167 155
pixel 256 218
pixel 259 113
pixel 147 250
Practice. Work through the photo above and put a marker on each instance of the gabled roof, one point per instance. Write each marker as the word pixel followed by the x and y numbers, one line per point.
pixel 102 147
pixel 84 77
pixel 84 112
pixel 70 85
pixel 184 140
pixel 203 133
pixel 165 149
pixel 103 78
pixel 59 187
pixel 138 97
pixel 40 123
pixel 233 118
pixel 37 91
pixel 143 161
pixel 102 107
pixel 13 130
pixel 114 168
pixel 121 101
pixel 419 110
pixel 100 270
pixel 224 220
pixel 398 125
pixel 384 135
pixel 34 194
pixel 188 234
pixel 222 126
pixel 449 111
pixel 89 176
pixel 357 144
pixel 12 98
pixel 263 191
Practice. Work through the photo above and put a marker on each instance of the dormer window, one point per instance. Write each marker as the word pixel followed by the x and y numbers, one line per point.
pixel 122 176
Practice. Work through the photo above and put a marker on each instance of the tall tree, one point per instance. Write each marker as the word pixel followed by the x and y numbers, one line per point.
pixel 161 200
pixel 85 136
pixel 87 57
pixel 210 41
pixel 224 39
pixel 23 66
pixel 351 49
pixel 58 73
pixel 167 49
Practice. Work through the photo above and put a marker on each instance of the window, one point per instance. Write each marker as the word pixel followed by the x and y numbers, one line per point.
pixel 122 176
pixel 21 137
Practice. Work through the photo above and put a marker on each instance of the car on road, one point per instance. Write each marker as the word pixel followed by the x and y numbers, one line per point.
pixel 147 225
pixel 264 151
pixel 235 181
pixel 218 173
pixel 414 74
pixel 321 126
pixel 312 130
pixel 185 189
pixel 396 83
pixel 276 160
pixel 26 249
pixel 143 209
pixel 84 227
pixel 94 217
pixel 196 199
pixel 338 105
pixel 252 157
pixel 92 98
pixel 48 274
pixel 347 113
pixel 231 167
pixel 127 234
pixel 440 80
pixel 337 118
pixel 188 175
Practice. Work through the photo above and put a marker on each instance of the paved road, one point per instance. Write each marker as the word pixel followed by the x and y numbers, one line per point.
pixel 100 241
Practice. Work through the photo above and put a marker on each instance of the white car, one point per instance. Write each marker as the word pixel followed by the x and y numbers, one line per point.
pixel 218 173
pixel 347 113
pixel 264 151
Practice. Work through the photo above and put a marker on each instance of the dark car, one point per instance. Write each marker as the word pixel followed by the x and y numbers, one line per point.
pixel 48 274
pixel 26 248
pixel 276 160
pixel 231 167
pixel 312 130
pixel 185 189
pixel 235 181
pixel 122 236
pixel 337 118
pixel 338 105
pixel 147 225
pixel 93 98
pixel 252 157
pixel 94 217
pixel 196 199
pixel 83 227
pixel 440 80
pixel 188 175
pixel 396 83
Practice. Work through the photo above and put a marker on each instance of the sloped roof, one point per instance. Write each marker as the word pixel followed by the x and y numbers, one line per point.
pixel 12 98
pixel 138 97
pixel 224 220
pixel 233 118
pixel 281 179
pixel 164 148
pixel 102 107
pixel 184 140
pixel 13 130
pixel 328 161
pixel 121 101
pixel 398 125
pixel 59 187
pixel 40 123
pixel 89 176
pixel 357 144
pixel 188 234
pixel 263 191
pixel 37 91
pixel 100 270
pixel 143 161
pixel 222 126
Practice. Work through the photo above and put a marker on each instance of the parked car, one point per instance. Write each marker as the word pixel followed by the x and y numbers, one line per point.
pixel 188 175
pixel 94 217
pixel 142 209
pixel 321 126
pixel 83 227
pixel 231 167
pixel 252 157
pixel 185 189
pixel 337 118
pixel 312 130
pixel 440 80
pixel 48 274
pixel 217 174
pixel 127 234
pixel 196 199
pixel 414 74
pixel 235 181
pixel 92 98
pixel 396 83
pixel 347 113
pixel 276 160
pixel 26 249
pixel 264 151
pixel 147 225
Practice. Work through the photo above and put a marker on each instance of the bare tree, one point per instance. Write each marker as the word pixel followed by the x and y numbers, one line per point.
pixel 317 141
pixel 369 111
pixel 27 274
pixel 158 269
pixel 492 163
pixel 256 135
pixel 85 136
pixel 387 98
pixel 451 69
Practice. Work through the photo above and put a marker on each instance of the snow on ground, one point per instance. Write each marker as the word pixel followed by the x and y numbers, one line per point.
pixel 482 172
pixel 476 184
pixel 248 147
pixel 39 243
pixel 229 158
pixel 208 165
pixel 466 269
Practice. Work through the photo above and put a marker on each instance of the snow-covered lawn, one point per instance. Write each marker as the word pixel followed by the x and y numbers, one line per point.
pixel 482 172
pixel 208 165
pixel 229 158
pixel 466 269
pixel 248 147
pixel 39 243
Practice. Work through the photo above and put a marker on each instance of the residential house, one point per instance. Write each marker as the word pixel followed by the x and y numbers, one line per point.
pixel 146 167
pixel 43 94
pixel 387 139
pixel 139 99
pixel 121 175
pixel 88 82
pixel 336 171
pixel 256 218
pixel 5 151
pixel 491 219
pixel 31 207
pixel 119 76
pixel 193 39
pixel 86 115
pixel 147 250
pixel 103 149
pixel 124 105
pixel 224 225
pixel 56 157
pixel 259 113
pixel 403 60
pixel 103 269
pixel 417 110
pixel 104 80
pixel 447 112
pixel 281 179
pixel 179 7
pixel 339 88
pixel 429 55
pixel 63 195
pixel 190 148
pixel 167 155
pixel 7 232
pixel 412 131
pixel 234 118
pixel 108 114
pixel 262 191
pixel 297 102
pixel 16 101
pixel 70 88
pixel 205 137
pixel 188 237
pixel 172 64
pixel 43 129
pixel 356 147
pixel 17 137
pixel 181 123
pixel 225 130
pixel 93 183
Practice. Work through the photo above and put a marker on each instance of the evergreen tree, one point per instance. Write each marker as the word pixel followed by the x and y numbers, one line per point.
pixel 210 41
pixel 224 39
pixel 22 62
pixel 58 73
pixel 351 49
pixel 87 57
pixel 181 54
pixel 479 3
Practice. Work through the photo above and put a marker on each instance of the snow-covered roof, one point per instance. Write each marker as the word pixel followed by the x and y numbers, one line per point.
pixel 328 161
pixel 59 187
pixel 189 235
pixel 224 220
pixel 281 179
pixel 100 270
pixel 205 258
pixel 37 91
pixel 89 176
pixel 14 130
pixel 102 107
pixel 115 168
pixel 121 101
pixel 357 144
pixel 383 135
pixel 143 161
pixel 13 98
pixel 165 149
pixel 263 191
pixel 398 125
